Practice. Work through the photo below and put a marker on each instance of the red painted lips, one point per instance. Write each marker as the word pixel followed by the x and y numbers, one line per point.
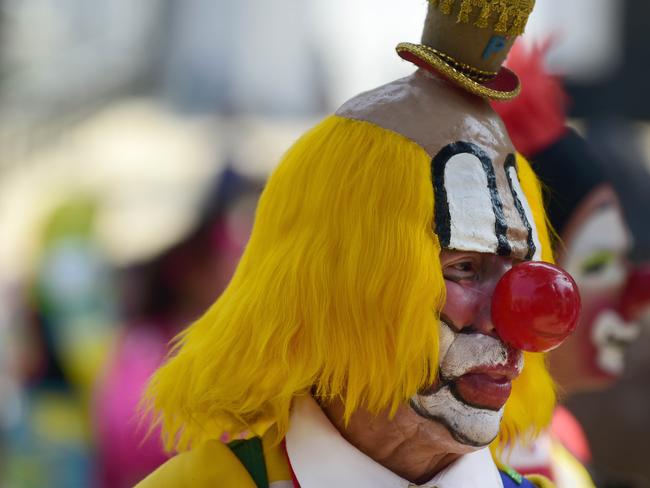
pixel 483 391
pixel 488 386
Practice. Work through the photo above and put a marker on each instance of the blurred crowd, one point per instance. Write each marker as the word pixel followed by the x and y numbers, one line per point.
pixel 135 138
pixel 91 334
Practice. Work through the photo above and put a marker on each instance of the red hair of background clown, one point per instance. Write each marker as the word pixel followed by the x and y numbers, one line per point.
pixel 537 117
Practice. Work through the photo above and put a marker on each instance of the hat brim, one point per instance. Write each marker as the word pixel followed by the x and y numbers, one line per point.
pixel 504 86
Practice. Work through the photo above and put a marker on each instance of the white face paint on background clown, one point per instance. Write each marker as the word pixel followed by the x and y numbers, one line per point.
pixel 596 244
pixel 486 226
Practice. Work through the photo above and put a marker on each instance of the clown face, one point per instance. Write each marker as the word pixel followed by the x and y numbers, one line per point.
pixel 596 244
pixel 485 222
pixel 484 225
pixel 476 368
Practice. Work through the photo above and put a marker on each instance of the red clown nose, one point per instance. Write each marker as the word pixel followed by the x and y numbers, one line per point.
pixel 635 299
pixel 535 306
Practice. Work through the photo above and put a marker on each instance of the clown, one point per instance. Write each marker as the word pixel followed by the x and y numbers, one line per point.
pixel 356 344
pixel 599 236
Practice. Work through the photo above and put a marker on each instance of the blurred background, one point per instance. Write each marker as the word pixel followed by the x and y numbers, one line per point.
pixel 135 138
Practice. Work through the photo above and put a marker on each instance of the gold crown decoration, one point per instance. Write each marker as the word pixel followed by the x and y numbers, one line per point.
pixel 467 41
pixel 511 16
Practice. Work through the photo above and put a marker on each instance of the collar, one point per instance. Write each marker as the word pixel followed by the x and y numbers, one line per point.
pixel 322 458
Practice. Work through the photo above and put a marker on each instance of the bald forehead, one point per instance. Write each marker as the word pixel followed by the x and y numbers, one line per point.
pixel 479 202
pixel 432 113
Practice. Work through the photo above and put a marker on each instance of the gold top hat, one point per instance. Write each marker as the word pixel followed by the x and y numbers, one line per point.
pixel 468 40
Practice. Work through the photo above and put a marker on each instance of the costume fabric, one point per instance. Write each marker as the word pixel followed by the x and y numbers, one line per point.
pixel 317 456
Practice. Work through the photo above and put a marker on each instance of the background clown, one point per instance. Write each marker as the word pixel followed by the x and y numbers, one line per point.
pixel 357 337
pixel 596 207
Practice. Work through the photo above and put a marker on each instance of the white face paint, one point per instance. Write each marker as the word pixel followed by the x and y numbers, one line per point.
pixel 512 173
pixel 470 426
pixel 612 335
pixel 595 257
pixel 470 207
pixel 461 354
pixel 480 205
pixel 471 351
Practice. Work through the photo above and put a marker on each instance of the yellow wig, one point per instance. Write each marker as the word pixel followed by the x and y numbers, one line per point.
pixel 339 290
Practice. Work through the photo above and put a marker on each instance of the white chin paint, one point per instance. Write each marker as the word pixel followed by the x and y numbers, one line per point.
pixel 462 353
pixel 468 425
pixel 471 351
pixel 611 335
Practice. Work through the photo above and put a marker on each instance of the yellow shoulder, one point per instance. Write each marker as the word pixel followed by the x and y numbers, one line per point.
pixel 212 464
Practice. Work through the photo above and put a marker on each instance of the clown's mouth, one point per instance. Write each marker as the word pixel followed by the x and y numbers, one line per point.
pixel 476 375
pixel 490 389
pixel 611 336
pixel 484 387
pixel 477 369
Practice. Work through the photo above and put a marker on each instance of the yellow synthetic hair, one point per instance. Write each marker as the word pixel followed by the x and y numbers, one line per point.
pixel 338 291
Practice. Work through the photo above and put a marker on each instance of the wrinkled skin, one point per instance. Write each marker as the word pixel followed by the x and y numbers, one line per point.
pixel 411 444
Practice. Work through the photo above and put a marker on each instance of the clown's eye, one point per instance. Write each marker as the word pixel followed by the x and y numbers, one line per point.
pixel 464 267
pixel 467 269
pixel 597 262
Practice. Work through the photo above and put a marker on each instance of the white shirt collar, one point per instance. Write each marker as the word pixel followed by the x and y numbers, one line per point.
pixel 322 458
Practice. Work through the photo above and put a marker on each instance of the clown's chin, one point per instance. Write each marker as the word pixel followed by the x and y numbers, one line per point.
pixel 468 425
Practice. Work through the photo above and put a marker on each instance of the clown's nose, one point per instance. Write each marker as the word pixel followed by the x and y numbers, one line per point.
pixel 635 300
pixel 535 306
